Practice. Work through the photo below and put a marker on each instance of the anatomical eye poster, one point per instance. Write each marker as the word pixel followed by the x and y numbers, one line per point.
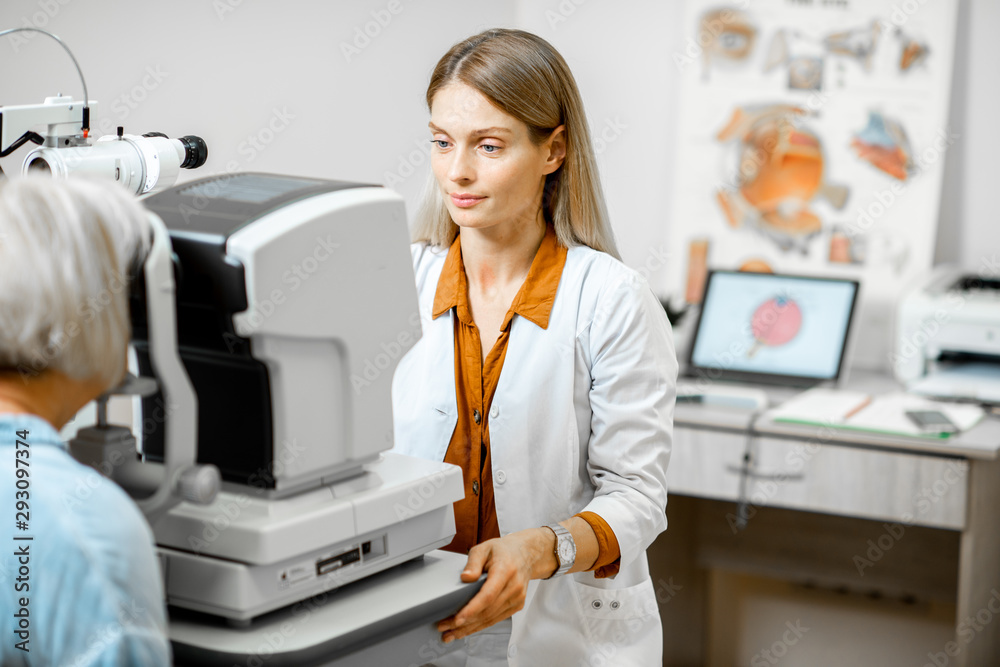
pixel 811 138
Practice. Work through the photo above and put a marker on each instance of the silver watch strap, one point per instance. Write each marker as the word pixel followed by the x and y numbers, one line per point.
pixel 561 535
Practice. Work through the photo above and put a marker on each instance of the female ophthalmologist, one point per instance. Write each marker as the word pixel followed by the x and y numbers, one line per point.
pixel 546 370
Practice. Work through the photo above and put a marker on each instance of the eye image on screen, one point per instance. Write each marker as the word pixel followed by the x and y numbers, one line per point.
pixel 773 326
pixel 775 322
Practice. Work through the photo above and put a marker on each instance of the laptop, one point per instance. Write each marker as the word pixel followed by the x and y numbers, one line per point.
pixel 766 328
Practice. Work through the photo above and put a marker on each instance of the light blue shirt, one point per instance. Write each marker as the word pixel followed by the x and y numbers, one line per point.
pixel 94 594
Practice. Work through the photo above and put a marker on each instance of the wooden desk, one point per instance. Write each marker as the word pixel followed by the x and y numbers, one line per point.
pixel 811 498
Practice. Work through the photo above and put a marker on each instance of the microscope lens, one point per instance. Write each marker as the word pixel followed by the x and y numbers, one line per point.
pixel 195 151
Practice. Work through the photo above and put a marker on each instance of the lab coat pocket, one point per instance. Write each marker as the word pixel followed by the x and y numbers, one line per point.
pixel 623 623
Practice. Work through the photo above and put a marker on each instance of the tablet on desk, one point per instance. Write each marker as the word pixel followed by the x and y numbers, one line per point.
pixel 775 329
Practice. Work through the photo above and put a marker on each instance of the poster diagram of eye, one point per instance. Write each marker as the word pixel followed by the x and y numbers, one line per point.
pixel 810 139
pixel 883 144
pixel 781 173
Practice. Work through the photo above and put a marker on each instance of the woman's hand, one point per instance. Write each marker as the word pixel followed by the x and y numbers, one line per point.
pixel 510 563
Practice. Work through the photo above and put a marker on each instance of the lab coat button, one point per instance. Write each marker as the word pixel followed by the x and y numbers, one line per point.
pixel 615 604
pixel 494 411
pixel 475 487
pixel 501 477
pixel 596 604
pixel 475 416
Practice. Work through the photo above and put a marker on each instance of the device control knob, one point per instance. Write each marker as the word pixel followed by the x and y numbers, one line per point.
pixel 199 484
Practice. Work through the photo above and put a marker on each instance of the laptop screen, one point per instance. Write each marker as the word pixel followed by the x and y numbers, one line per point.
pixel 773 328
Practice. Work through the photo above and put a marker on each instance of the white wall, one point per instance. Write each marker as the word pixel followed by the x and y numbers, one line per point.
pixel 222 75
pixel 969 223
pixel 623 56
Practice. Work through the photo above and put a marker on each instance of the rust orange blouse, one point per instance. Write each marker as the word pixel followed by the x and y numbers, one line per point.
pixel 475 383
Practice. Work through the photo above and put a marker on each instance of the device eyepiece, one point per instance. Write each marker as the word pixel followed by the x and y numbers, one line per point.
pixel 195 151
pixel 39 165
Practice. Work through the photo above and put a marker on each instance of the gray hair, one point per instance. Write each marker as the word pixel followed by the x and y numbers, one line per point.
pixel 67 250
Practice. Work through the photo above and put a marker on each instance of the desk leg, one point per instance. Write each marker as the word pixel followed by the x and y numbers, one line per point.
pixel 681 586
pixel 978 613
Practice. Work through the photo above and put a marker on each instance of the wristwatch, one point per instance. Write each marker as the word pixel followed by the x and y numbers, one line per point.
pixel 565 549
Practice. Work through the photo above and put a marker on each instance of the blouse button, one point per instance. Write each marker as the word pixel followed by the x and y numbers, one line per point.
pixel 494 411
pixel 615 604
pixel 596 604
pixel 501 477
pixel 476 416
pixel 475 487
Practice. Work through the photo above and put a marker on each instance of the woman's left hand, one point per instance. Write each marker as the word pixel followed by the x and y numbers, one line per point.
pixel 510 563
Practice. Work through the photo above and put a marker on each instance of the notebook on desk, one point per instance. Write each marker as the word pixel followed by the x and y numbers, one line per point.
pixel 767 328
pixel 878 414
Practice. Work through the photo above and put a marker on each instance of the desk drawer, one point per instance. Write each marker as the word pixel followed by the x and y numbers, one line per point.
pixel 850 481
pixel 702 461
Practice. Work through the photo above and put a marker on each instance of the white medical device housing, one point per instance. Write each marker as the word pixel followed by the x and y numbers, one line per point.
pixel 295 301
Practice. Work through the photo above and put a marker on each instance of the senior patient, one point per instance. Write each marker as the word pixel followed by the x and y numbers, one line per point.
pixel 79 582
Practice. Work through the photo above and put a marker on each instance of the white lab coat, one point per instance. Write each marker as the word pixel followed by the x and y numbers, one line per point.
pixel 582 419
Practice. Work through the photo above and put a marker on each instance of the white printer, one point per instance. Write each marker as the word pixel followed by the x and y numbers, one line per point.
pixel 947 339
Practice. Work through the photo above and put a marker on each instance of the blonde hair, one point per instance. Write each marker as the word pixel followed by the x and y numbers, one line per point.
pixel 67 249
pixel 525 77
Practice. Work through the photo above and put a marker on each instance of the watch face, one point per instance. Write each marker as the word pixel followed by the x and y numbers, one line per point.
pixel 567 554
